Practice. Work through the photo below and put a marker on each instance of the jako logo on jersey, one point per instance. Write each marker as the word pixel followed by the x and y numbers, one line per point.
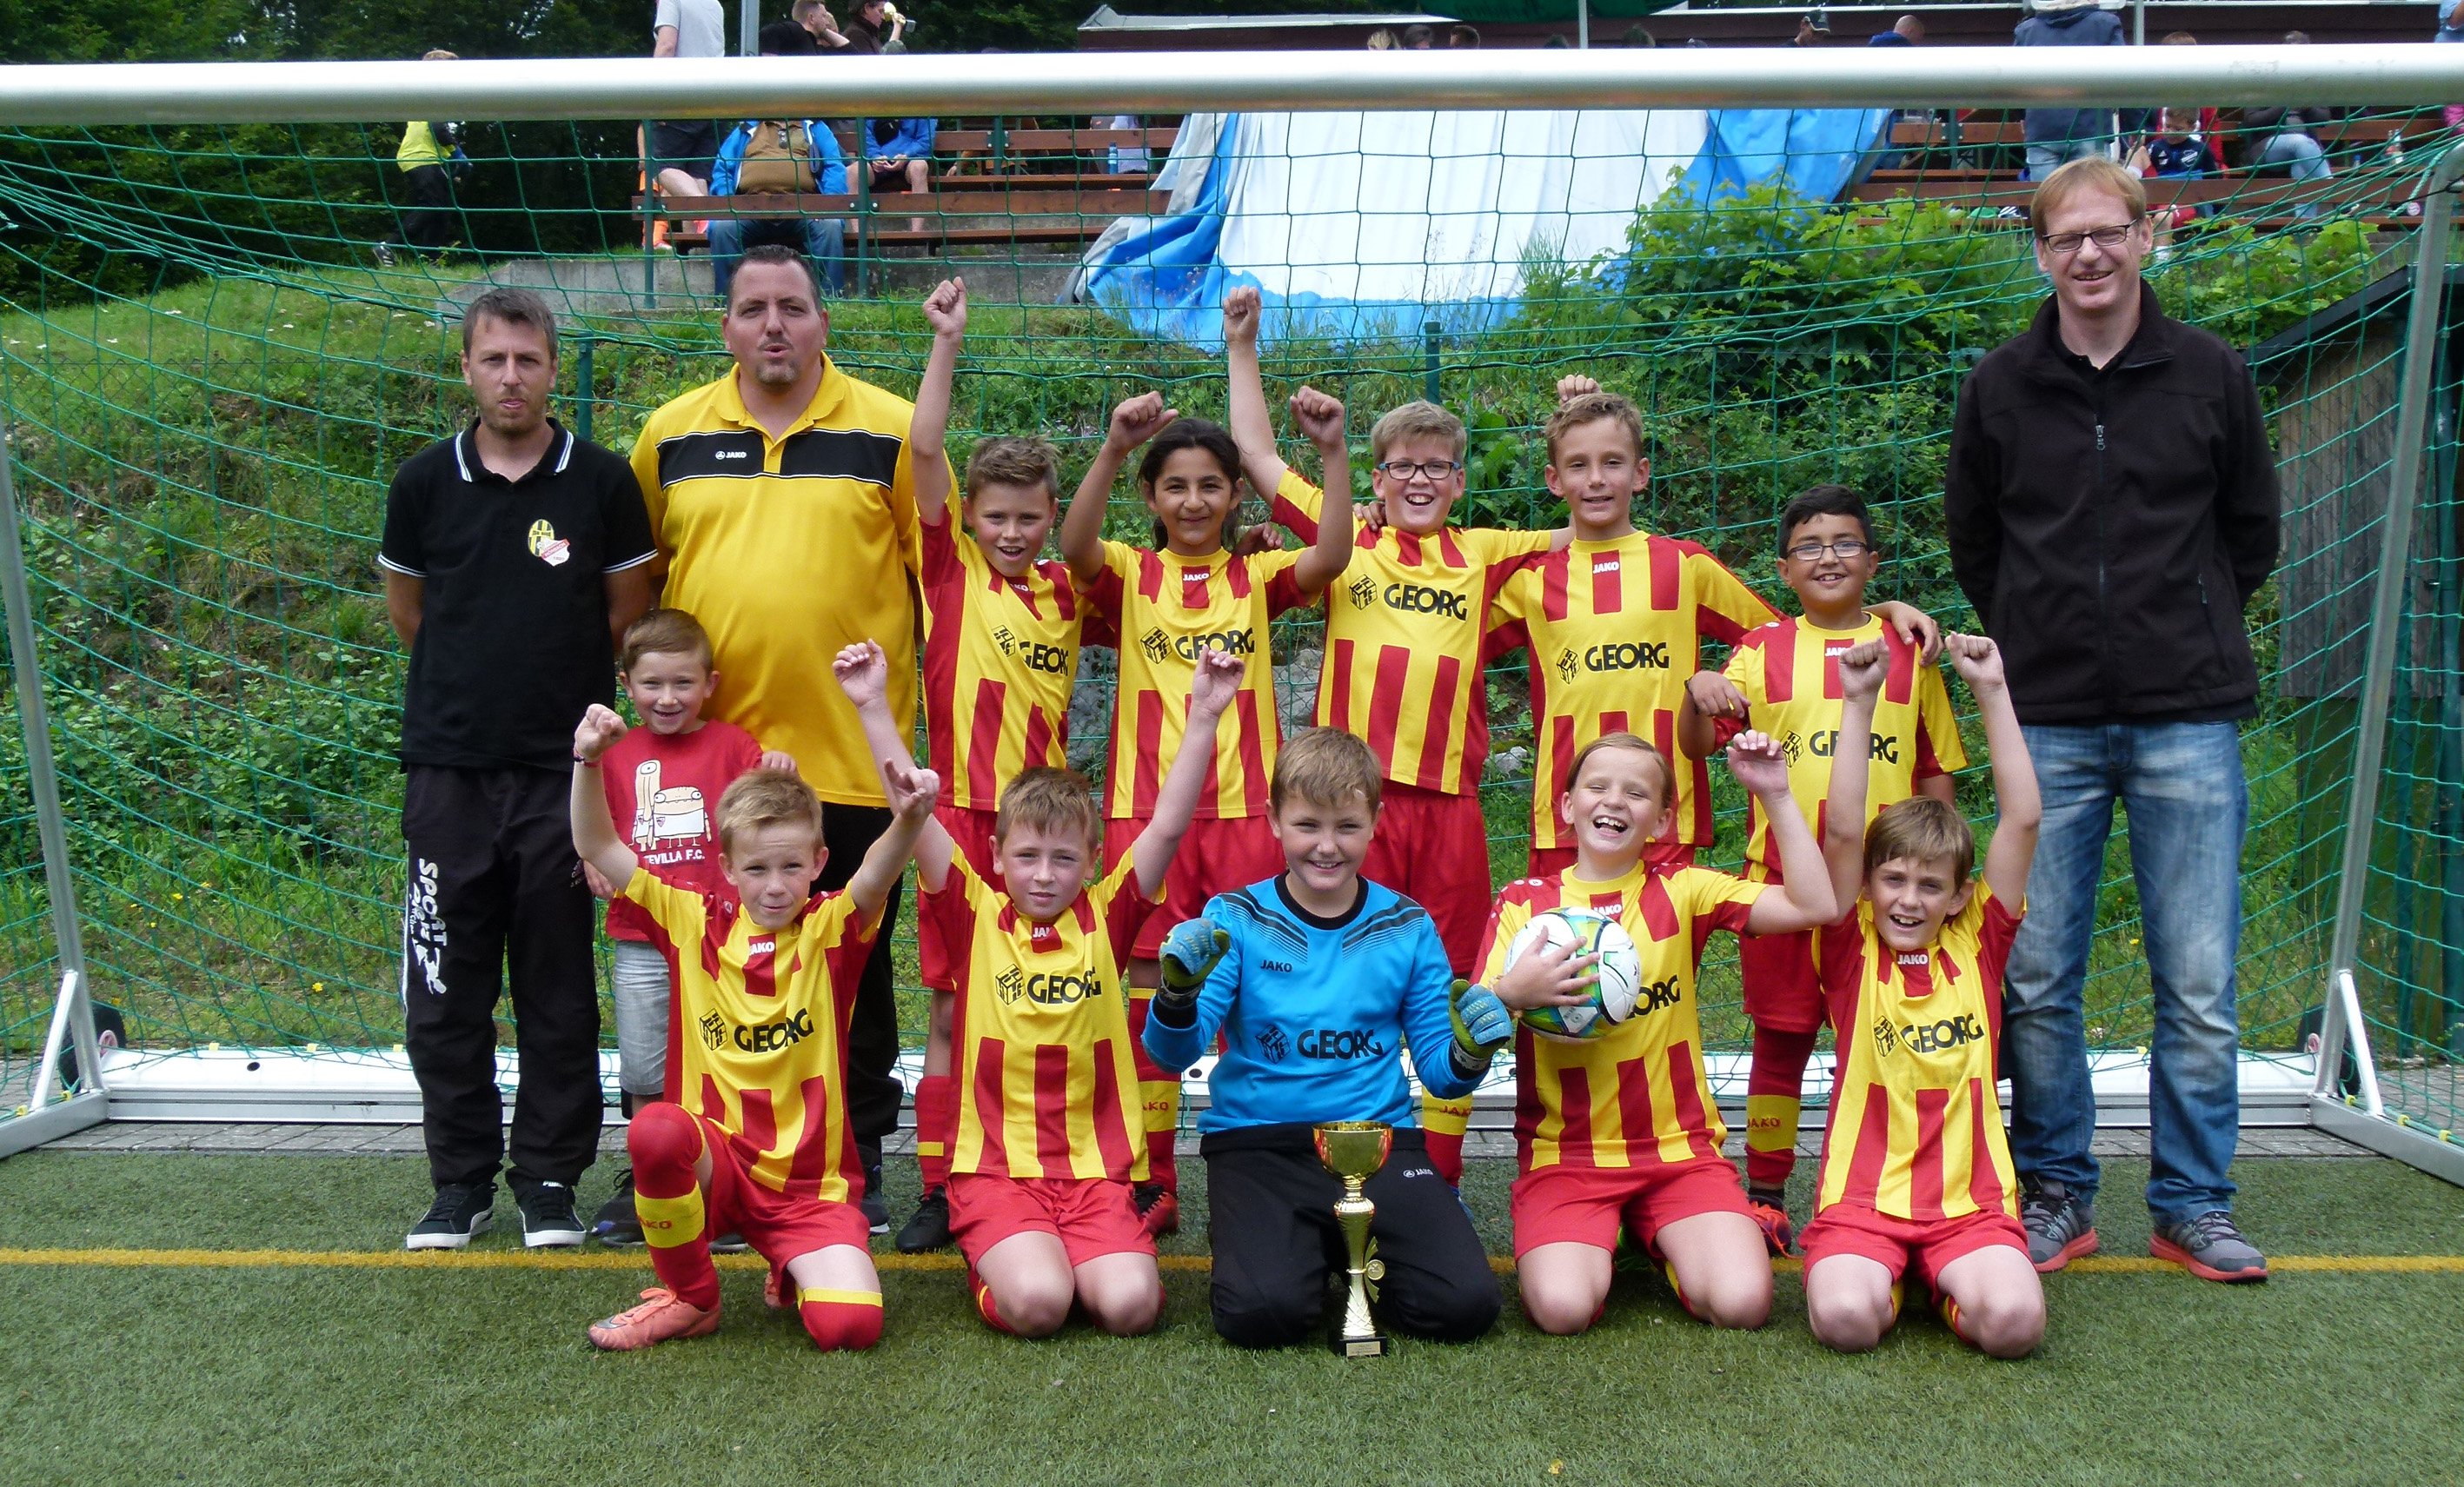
pixel 1627 656
pixel 731 454
pixel 713 1030
pixel 1824 740
pixel 1948 1032
pixel 1657 994
pixel 769 1036
pixel 1421 599
pixel 1333 1043
pixel 1283 966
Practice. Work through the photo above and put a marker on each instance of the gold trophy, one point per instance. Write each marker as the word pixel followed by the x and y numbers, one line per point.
pixel 1353 1150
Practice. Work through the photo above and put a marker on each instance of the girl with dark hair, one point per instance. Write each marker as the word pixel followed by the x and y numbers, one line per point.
pixel 1167 605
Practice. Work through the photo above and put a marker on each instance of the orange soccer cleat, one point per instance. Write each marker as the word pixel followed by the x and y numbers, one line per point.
pixel 1778 1234
pixel 660 1317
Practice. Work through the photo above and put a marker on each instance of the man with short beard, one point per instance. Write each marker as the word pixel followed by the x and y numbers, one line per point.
pixel 514 557
pixel 781 500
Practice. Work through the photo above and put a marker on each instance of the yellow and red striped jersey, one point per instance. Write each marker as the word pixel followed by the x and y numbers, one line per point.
pixel 1403 635
pixel 1790 673
pixel 1636 1096
pixel 757 1028
pixel 1916 1130
pixel 1615 629
pixel 1000 656
pixel 1042 1030
pixel 1165 609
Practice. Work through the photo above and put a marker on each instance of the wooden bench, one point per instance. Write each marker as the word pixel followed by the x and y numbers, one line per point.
pixel 1921 134
pixel 2238 191
pixel 1045 217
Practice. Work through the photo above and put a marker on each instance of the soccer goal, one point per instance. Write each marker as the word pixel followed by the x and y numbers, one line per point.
pixel 229 306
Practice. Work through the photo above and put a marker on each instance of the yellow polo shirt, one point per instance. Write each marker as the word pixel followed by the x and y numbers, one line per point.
pixel 786 550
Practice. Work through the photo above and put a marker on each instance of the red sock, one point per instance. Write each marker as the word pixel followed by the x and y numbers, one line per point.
pixel 841 1320
pixel 665 1143
pixel 1442 1123
pixel 984 1308
pixel 1774 1100
pixel 937 1120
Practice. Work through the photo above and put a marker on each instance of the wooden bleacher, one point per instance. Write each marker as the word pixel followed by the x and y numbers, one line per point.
pixel 1031 187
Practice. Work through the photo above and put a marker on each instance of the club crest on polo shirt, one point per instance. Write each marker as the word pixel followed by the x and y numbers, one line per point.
pixel 546 546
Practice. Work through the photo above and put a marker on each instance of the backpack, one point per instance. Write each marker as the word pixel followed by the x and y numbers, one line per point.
pixel 777 161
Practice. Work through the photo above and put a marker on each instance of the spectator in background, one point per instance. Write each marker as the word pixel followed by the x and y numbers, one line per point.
pixel 822 26
pixel 1463 38
pixel 894 31
pixel 778 156
pixel 899 152
pixel 874 27
pixel 2176 150
pixel 2058 135
pixel 2451 28
pixel 681 152
pixel 1905 31
pixel 1418 38
pixel 1813 29
pixel 1383 40
pixel 1639 36
pixel 2286 135
pixel 1127 160
pixel 429 156
pixel 786 38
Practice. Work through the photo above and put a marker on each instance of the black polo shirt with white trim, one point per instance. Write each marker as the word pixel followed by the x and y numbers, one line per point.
pixel 512 642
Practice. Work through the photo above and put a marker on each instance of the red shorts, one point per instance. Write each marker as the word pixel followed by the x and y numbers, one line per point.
pixel 778 1227
pixel 1433 849
pixel 1093 1216
pixel 1896 1244
pixel 1547 862
pixel 972 830
pixel 1216 857
pixel 1584 1205
pixel 1782 990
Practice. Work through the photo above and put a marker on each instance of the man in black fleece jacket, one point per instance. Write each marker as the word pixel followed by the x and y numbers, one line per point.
pixel 2112 506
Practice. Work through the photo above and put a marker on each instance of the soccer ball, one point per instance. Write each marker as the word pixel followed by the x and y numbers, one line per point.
pixel 1619 970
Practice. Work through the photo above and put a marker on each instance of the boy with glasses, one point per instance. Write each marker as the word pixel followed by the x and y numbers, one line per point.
pixel 1783 680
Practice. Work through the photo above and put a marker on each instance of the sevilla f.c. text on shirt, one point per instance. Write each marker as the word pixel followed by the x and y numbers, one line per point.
pixel 1403 635
pixel 1615 629
pixel 1000 656
pixel 663 793
pixel 1636 1096
pixel 1166 610
pixel 758 1044
pixel 1790 673
pixel 1916 1128
pixel 1046 1080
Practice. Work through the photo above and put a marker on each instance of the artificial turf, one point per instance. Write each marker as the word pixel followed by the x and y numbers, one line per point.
pixel 426 1374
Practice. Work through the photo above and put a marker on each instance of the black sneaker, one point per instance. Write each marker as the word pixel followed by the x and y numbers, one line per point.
pixel 930 1228
pixel 548 1218
pixel 461 1209
pixel 619 1224
pixel 2061 1225
pixel 877 1207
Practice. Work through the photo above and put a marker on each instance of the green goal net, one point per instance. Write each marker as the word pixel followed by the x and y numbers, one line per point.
pixel 209 377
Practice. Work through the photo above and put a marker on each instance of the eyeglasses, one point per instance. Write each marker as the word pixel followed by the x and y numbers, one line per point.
pixel 1811 552
pixel 2067 243
pixel 1399 470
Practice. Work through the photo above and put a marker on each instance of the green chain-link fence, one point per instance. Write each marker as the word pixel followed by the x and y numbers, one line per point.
pixel 208 379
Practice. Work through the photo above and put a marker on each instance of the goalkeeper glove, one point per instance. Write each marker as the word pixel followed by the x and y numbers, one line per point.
pixel 1188 957
pixel 1481 1026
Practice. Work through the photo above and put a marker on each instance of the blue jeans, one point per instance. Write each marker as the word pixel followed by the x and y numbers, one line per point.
pixel 2181 786
pixel 2307 157
pixel 822 239
pixel 2051 155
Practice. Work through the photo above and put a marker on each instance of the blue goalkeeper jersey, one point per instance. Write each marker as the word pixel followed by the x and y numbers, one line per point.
pixel 1315 1013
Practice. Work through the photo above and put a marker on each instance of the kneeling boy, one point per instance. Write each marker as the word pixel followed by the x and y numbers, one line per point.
pixel 1047 1137
pixel 1316 980
pixel 1916 1169
pixel 766 975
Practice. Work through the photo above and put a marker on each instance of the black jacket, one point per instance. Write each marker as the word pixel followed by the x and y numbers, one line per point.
pixel 2110 526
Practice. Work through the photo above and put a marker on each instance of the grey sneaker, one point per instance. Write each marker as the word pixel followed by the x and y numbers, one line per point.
pixel 2061 1226
pixel 2210 1247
